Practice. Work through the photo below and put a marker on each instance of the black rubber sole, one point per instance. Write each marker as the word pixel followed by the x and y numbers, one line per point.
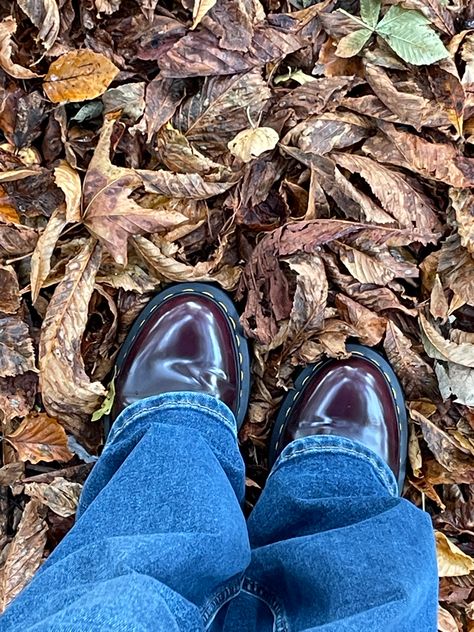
pixel 305 375
pixel 224 302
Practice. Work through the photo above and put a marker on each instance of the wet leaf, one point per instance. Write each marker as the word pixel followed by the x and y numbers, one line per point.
pixel 40 438
pixel 79 75
pixel 451 560
pixel 67 391
pixel 251 143
pixel 24 553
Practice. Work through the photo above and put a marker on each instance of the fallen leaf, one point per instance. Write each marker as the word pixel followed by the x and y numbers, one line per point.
pixel 446 621
pixel 128 99
pixel 24 554
pixel 162 99
pixel 79 75
pixel 61 496
pixel 438 347
pixel 45 16
pixel 452 562
pixel 172 270
pixel 17 395
pixel 251 143
pixel 41 258
pixel 463 204
pixel 110 213
pixel 311 294
pixel 201 7
pixel 7 30
pixel 16 348
pixel 69 181
pixel 369 325
pixel 10 296
pixel 40 438
pixel 439 307
pixel 221 109
pixel 67 391
pixel 417 377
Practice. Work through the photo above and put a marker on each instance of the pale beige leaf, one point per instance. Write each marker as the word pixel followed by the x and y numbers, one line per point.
pixel 17 174
pixel 452 562
pixel 251 143
pixel 171 270
pixel 7 30
pixel 414 453
pixel 79 75
pixel 201 7
pixel 67 391
pixel 365 268
pixel 61 496
pixel 24 553
pixel 446 621
pixel 68 180
pixel 41 258
pixel 40 438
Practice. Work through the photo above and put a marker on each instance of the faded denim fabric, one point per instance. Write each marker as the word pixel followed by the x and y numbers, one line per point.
pixel 161 544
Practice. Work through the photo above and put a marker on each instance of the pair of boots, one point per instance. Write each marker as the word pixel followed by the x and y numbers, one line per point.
pixel 189 339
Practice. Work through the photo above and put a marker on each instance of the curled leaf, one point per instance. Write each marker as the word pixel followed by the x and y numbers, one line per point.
pixel 251 143
pixel 452 562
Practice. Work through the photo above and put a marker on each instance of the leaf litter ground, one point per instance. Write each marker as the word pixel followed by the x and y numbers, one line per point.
pixel 304 156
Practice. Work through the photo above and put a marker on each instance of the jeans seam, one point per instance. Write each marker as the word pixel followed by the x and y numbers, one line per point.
pixel 168 406
pixel 340 449
pixel 214 604
pixel 280 621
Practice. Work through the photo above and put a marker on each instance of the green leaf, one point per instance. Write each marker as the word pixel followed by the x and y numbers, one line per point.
pixel 370 11
pixel 353 43
pixel 409 35
pixel 107 404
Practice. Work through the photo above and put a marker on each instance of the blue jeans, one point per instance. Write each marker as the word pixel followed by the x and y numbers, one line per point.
pixel 161 543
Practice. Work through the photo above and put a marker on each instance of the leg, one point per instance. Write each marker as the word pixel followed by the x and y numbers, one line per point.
pixel 160 542
pixel 336 549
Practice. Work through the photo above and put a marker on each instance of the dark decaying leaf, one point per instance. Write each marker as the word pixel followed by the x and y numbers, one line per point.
pixel 16 348
pixel 10 290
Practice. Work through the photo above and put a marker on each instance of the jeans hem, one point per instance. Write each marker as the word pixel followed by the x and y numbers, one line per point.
pixel 330 444
pixel 184 400
pixel 214 604
pixel 280 621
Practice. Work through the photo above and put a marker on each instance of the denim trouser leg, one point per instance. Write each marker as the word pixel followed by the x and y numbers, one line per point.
pixel 160 541
pixel 335 549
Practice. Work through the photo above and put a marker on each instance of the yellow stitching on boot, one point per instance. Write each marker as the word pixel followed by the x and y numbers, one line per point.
pixel 242 375
pixel 232 321
pixel 224 306
pixel 237 339
pixel 305 380
pixel 207 294
pixel 153 308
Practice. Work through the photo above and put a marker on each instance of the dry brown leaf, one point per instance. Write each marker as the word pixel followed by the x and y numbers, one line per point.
pixel 369 325
pixel 365 268
pixel 452 562
pixel 40 438
pixel 16 348
pixel 463 204
pixel 456 270
pixel 10 290
pixel 311 294
pixel 171 270
pixel 441 349
pixel 68 180
pixel 45 16
pixel 406 204
pixel 201 7
pixel 17 240
pixel 446 621
pixel 17 395
pixel 7 30
pixel 414 453
pixel 128 99
pixel 61 496
pixel 80 75
pixel 439 307
pixel 416 376
pixel 41 258
pixel 110 214
pixel 67 391
pixel 24 553
pixel 251 143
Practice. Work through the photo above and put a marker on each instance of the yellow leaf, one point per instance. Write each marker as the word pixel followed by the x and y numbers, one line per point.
pixel 452 562
pixel 251 143
pixel 80 75
pixel 201 7
pixel 40 438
